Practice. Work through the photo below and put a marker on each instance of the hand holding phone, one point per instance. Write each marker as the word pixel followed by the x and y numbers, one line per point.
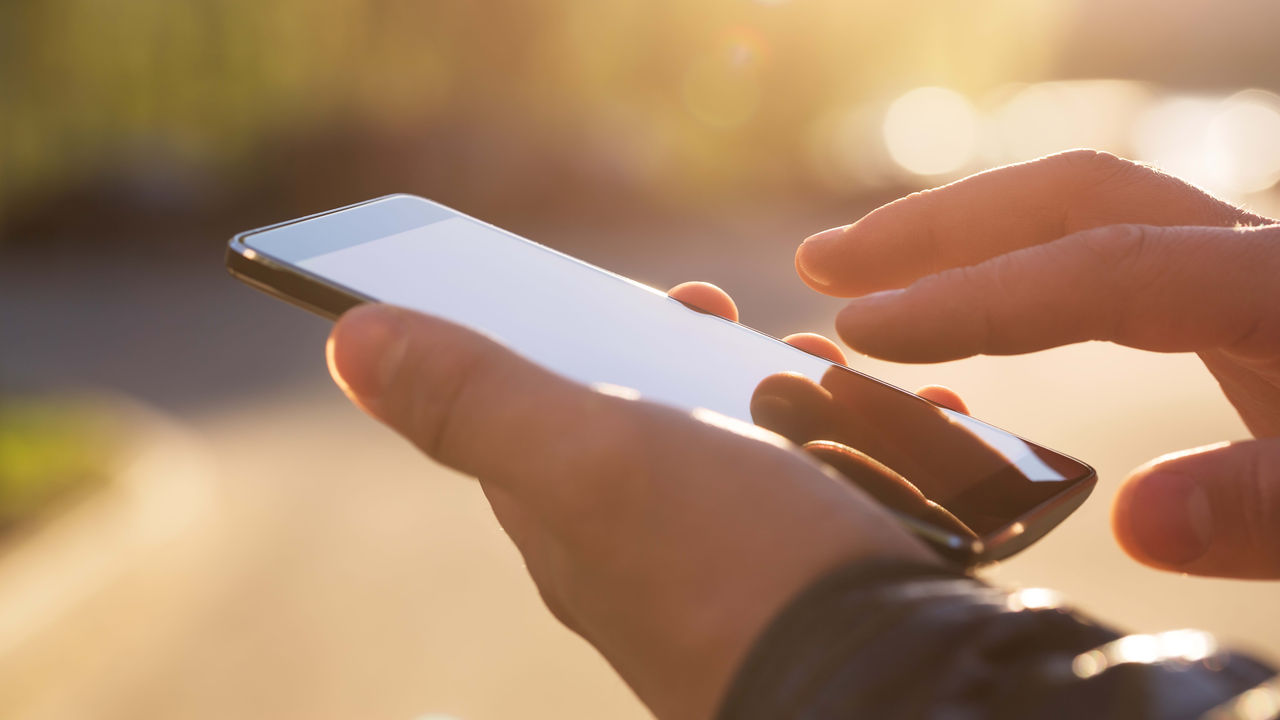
pixel 712 514
pixel 611 428
pixel 791 404
pixel 593 327
pixel 667 539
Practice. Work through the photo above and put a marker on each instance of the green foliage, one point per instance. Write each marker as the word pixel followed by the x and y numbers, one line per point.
pixel 47 450
pixel 88 84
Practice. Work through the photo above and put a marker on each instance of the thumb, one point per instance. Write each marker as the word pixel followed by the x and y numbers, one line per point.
pixel 1210 511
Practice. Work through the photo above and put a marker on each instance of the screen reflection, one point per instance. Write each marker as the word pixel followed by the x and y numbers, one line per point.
pixel 944 471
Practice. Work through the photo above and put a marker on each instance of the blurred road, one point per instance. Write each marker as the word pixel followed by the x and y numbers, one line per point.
pixel 321 569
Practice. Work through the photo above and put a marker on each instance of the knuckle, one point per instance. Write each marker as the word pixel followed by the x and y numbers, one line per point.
pixel 1088 176
pixel 554 581
pixel 603 464
pixel 437 398
pixel 986 281
pixel 559 609
pixel 612 430
pixel 1091 168
pixel 1123 260
pixel 1117 247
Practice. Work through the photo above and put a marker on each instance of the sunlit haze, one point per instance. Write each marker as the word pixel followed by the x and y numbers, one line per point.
pixel 196 524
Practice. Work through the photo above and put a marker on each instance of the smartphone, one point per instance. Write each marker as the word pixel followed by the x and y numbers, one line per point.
pixel 972 491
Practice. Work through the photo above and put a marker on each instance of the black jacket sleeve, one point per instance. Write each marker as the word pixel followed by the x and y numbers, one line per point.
pixel 898 641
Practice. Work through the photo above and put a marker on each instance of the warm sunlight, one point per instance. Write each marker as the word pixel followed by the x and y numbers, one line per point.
pixel 196 523
pixel 1230 145
pixel 931 131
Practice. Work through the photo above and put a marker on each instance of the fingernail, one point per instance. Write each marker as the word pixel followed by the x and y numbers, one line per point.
pixel 1170 518
pixel 813 256
pixel 366 349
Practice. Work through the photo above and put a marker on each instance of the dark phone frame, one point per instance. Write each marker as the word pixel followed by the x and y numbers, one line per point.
pixel 330 299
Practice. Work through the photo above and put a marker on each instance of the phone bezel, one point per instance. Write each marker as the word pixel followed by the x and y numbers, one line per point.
pixel 330 299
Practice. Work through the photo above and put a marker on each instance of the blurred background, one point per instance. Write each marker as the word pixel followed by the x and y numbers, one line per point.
pixel 194 523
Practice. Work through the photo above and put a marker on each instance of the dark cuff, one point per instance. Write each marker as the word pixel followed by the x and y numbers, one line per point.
pixel 921 641
pixel 790 657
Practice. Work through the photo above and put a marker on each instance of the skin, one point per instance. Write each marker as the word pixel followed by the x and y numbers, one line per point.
pixel 668 540
pixel 806 401
pixel 665 539
pixel 1087 246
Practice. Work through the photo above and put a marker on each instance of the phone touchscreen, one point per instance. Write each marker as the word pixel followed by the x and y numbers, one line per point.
pixel 596 327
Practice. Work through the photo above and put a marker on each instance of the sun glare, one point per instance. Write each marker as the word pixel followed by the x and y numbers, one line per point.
pixel 931 131
pixel 1242 143
pixel 1044 118
pixel 1227 144
pixel 1230 146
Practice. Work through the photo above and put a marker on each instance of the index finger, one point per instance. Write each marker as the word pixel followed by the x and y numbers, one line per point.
pixel 998 211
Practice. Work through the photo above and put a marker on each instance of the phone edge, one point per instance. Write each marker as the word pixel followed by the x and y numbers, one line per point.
pixel 269 276
pixel 284 282
pixel 1036 523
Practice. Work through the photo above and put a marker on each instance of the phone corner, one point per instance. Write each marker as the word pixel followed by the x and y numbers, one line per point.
pixel 237 254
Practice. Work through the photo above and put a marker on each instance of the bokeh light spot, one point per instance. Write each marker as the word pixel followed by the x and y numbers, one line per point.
pixel 1242 143
pixel 1229 146
pixel 1044 118
pixel 1171 135
pixel 1259 704
pixel 931 131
